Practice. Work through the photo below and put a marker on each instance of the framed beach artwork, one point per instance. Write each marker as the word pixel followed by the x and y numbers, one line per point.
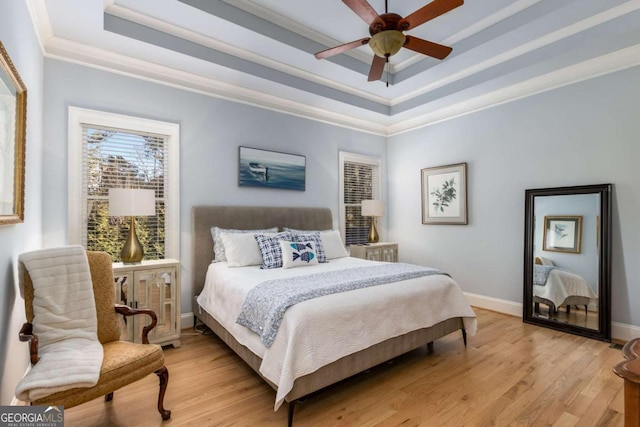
pixel 271 169
pixel 562 233
pixel 444 194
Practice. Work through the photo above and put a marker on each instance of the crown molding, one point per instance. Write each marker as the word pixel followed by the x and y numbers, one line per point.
pixel 481 25
pixel 585 24
pixel 69 51
pixel 72 52
pixel 360 120
pixel 602 65
pixel 209 42
pixel 284 22
pixel 40 20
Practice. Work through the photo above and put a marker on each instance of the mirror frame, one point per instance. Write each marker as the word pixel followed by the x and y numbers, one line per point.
pixel 20 132
pixel 603 332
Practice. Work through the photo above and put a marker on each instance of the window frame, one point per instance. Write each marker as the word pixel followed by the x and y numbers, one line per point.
pixel 82 116
pixel 347 157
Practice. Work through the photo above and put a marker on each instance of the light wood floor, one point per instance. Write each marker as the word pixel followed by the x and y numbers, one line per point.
pixel 510 374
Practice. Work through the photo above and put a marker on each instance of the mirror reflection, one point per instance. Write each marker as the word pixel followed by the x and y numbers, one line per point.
pixel 565 276
pixel 7 138
pixel 13 116
pixel 567 271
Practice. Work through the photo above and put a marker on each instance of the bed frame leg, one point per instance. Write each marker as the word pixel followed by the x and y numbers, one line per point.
pixel 430 347
pixel 292 406
pixel 464 337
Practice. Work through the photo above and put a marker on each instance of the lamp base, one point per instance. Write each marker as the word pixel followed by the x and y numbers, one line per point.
pixel 373 233
pixel 132 252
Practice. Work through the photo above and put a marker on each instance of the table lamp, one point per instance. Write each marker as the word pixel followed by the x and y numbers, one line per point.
pixel 131 202
pixel 373 208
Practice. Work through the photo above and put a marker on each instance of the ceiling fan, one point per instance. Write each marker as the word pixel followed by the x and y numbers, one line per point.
pixel 387 36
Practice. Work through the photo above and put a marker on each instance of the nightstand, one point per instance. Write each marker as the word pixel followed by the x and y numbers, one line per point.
pixel 376 251
pixel 155 285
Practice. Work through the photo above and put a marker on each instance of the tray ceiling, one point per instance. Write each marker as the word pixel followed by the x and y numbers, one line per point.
pixel 260 52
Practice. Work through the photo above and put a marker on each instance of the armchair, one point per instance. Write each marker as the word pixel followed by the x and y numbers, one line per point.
pixel 124 362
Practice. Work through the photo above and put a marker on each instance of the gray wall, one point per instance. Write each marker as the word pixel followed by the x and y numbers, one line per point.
pixel 18 37
pixel 586 133
pixel 211 131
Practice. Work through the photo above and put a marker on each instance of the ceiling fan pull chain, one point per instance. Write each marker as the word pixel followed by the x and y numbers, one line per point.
pixel 388 66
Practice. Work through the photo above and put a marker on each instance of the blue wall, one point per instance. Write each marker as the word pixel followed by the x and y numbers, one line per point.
pixel 211 131
pixel 18 37
pixel 585 133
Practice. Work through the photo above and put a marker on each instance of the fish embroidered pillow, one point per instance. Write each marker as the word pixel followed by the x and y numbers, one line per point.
pixel 298 254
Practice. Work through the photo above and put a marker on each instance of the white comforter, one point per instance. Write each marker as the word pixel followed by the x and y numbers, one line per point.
pixel 562 284
pixel 320 331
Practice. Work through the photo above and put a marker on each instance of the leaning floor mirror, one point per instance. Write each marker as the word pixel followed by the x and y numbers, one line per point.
pixel 567 259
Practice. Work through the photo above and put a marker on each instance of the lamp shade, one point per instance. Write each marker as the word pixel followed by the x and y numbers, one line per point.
pixel 131 202
pixel 372 208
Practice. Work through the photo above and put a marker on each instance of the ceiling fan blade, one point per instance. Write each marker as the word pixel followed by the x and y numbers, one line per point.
pixel 427 13
pixel 427 48
pixel 342 48
pixel 364 10
pixel 377 68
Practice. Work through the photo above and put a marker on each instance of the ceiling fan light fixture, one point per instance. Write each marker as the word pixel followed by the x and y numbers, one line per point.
pixel 387 43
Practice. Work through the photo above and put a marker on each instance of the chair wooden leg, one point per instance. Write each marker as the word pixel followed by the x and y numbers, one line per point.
pixel 108 397
pixel 163 374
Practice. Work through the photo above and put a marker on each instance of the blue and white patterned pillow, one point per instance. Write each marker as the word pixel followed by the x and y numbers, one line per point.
pixel 218 246
pixel 298 254
pixel 317 243
pixel 270 249
pixel 332 243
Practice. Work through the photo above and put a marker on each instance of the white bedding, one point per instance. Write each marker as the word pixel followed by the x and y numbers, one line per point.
pixel 562 284
pixel 320 331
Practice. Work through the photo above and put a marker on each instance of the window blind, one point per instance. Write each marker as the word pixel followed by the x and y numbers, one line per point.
pixel 361 182
pixel 120 158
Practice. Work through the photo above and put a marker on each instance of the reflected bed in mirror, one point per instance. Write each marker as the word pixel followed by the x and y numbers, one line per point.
pixel 568 258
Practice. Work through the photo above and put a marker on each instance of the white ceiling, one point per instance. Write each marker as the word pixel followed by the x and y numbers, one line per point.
pixel 261 52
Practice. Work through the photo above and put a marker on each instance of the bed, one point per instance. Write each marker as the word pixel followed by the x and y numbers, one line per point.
pixel 292 379
pixel 561 288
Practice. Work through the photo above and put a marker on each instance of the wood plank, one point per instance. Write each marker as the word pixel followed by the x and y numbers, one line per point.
pixel 511 373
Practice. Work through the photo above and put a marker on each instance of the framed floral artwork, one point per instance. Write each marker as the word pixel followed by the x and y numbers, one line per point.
pixel 562 233
pixel 444 194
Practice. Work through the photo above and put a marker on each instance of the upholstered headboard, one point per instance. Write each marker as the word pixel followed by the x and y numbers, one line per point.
pixel 245 217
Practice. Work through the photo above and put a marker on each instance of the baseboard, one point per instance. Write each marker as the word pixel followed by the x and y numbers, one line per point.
pixel 186 321
pixel 620 332
pixel 494 304
pixel 623 333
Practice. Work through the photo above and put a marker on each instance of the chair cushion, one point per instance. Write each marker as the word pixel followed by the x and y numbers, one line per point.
pixel 124 362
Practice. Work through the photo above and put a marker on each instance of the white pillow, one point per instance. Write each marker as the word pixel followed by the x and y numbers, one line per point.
pixel 241 249
pixel 333 245
pixel 218 246
pixel 298 254
pixel 331 242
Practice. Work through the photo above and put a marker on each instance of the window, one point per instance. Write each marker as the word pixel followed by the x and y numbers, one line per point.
pixel 359 180
pixel 115 151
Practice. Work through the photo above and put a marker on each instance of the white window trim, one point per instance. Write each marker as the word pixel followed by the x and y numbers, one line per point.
pixel 80 116
pixel 346 157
